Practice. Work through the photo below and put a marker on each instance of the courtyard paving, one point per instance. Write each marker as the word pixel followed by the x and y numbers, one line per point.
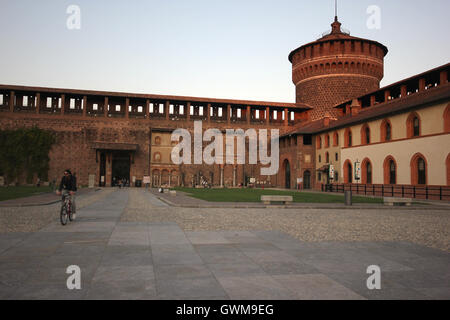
pixel 130 245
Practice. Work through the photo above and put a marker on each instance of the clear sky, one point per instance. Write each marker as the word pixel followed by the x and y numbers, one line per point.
pixel 236 49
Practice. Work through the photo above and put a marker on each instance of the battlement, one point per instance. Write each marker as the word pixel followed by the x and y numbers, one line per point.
pixel 21 100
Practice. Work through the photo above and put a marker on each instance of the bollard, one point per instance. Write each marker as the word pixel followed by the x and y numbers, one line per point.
pixel 348 198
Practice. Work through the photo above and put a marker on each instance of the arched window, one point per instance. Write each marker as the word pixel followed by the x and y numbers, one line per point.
pixel 447 119
pixel 327 141
pixel 327 157
pixel 390 170
pixel 365 134
pixel 319 142
pixel 416 127
pixel 366 168
pixel 386 131
pixel 418 169
pixel 413 125
pixel 335 139
pixel 348 174
pixel 348 138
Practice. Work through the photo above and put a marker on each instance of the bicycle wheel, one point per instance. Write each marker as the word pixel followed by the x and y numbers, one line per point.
pixel 63 214
pixel 70 209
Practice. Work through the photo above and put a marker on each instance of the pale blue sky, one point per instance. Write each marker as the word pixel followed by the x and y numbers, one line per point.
pixel 221 49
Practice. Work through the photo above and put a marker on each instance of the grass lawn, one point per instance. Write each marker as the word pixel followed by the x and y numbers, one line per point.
pixel 254 195
pixel 7 193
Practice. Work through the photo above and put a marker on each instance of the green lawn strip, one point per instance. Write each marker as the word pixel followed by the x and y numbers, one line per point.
pixel 254 195
pixel 8 193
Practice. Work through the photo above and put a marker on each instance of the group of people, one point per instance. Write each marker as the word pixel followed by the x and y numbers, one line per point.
pixel 121 182
pixel 203 182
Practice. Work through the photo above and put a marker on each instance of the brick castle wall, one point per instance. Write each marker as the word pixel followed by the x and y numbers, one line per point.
pixel 75 137
pixel 325 92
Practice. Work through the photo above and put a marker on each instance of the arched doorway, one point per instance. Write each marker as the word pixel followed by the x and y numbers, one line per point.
pixel 418 169
pixel 287 174
pixel 366 171
pixel 120 167
pixel 348 174
pixel 390 170
pixel 307 179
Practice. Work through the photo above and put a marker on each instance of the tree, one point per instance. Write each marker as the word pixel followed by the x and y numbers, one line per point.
pixel 24 152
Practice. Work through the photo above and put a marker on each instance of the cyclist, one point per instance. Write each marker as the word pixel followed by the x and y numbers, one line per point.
pixel 68 187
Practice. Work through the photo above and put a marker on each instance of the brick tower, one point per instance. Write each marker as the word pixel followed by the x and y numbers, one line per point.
pixel 336 68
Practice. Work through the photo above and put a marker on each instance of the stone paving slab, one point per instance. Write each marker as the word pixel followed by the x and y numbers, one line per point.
pixel 255 287
pixel 316 286
pixel 175 254
pixel 189 287
pixel 182 271
pixel 47 291
pixel 122 290
pixel 127 259
pixel 206 237
pixel 158 260
pixel 222 270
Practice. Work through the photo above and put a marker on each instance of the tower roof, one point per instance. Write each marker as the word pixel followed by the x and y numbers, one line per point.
pixel 337 33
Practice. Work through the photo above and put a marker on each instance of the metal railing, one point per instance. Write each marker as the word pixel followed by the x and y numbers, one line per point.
pixel 387 190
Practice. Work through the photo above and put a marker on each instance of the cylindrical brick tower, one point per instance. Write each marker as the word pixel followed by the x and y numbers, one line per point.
pixel 334 69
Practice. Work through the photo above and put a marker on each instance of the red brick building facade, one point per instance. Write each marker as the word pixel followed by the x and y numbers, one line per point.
pixel 106 136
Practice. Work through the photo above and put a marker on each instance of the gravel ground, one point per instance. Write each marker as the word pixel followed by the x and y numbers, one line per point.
pixel 30 219
pixel 428 227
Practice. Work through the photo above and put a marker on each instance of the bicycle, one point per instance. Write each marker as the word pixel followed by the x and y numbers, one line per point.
pixel 66 212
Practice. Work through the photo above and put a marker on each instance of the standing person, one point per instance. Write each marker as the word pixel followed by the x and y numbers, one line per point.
pixel 68 186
